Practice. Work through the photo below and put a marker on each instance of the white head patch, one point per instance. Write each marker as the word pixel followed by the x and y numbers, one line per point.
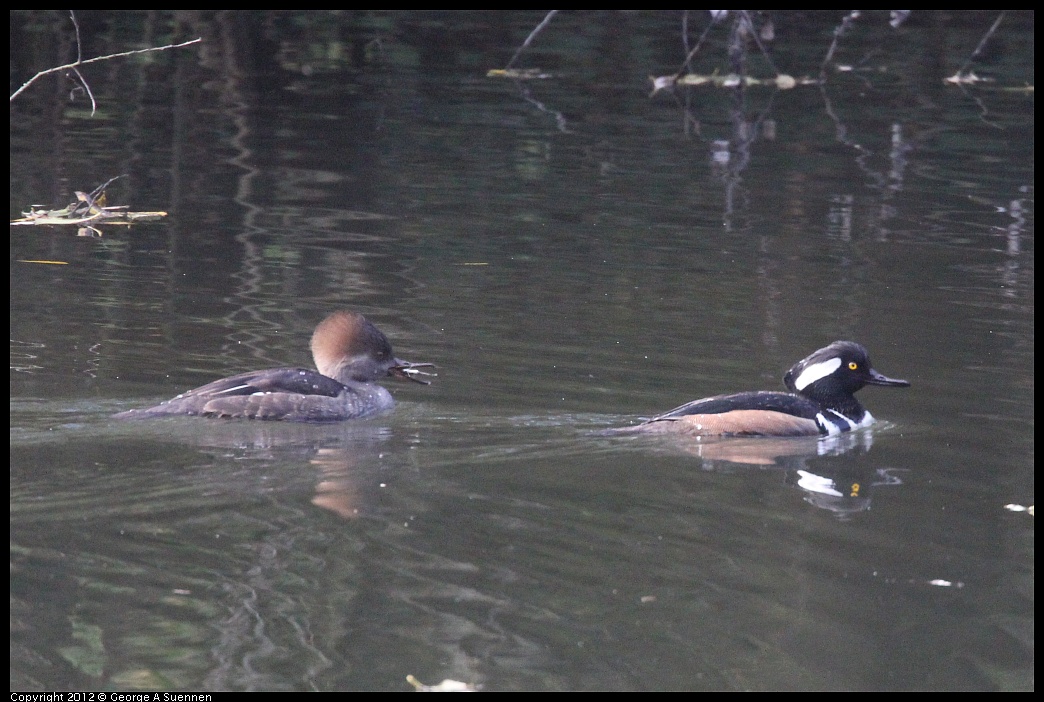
pixel 816 372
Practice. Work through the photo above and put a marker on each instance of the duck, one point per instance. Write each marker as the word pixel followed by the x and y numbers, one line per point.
pixel 350 353
pixel 821 401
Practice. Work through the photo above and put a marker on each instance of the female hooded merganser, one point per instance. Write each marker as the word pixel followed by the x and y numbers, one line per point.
pixel 350 353
pixel 821 401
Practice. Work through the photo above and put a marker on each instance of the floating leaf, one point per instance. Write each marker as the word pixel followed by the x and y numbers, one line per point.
pixel 444 686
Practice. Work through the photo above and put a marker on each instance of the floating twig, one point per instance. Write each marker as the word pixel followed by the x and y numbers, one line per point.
pixel 962 78
pixel 85 212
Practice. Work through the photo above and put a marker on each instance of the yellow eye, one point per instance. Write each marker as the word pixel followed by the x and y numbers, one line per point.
pixel 852 365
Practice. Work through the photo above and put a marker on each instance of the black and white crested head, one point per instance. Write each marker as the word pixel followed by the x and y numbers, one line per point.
pixel 835 372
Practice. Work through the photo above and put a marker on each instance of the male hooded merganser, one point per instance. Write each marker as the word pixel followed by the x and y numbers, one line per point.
pixel 350 353
pixel 821 401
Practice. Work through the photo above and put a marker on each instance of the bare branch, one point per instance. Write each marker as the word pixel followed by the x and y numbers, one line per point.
pixel 83 81
pixel 715 18
pixel 99 58
pixel 532 36
pixel 79 44
pixel 985 38
pixel 839 31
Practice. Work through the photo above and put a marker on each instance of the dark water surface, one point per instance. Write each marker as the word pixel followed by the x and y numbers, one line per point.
pixel 573 254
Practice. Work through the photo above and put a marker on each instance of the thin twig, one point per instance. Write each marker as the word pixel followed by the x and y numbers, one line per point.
pixel 83 82
pixel 531 37
pixel 757 40
pixel 982 43
pixel 100 58
pixel 840 30
pixel 681 69
pixel 79 58
pixel 76 26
